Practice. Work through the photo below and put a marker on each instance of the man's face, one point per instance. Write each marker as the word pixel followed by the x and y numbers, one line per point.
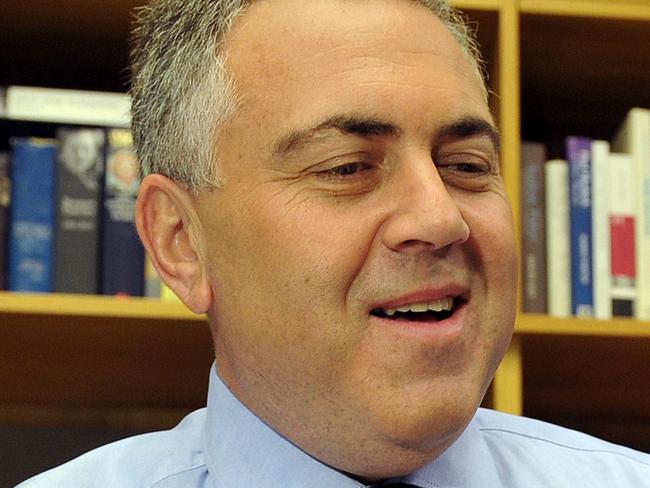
pixel 80 151
pixel 361 187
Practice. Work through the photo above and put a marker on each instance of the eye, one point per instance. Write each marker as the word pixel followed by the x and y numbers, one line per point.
pixel 470 167
pixel 348 169
pixel 347 178
pixel 467 171
pixel 465 164
pixel 348 173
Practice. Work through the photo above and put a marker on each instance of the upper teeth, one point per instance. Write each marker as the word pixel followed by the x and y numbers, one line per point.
pixel 435 306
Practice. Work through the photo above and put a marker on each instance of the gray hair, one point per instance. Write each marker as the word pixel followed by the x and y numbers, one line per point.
pixel 182 93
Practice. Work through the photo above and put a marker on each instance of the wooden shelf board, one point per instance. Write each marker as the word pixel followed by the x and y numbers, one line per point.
pixel 611 9
pixel 93 306
pixel 617 327
pixel 144 308
pixel 135 417
pixel 477 4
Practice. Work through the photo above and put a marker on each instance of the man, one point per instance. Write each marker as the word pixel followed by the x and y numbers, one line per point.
pixel 323 182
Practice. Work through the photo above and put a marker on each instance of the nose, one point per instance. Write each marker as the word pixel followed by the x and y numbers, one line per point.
pixel 422 212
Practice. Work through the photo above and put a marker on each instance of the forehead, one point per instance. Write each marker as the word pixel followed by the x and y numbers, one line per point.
pixel 287 55
pixel 295 27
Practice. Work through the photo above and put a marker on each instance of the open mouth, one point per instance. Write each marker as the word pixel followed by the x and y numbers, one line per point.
pixel 434 311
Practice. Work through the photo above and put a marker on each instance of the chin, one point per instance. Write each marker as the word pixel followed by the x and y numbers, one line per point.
pixel 401 458
pixel 411 438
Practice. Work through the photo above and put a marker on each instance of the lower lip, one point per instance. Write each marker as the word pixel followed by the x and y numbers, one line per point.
pixel 449 328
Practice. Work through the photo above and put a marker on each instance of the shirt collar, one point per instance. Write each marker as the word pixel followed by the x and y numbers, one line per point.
pixel 242 450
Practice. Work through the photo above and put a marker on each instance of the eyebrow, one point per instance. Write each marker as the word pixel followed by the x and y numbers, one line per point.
pixel 361 126
pixel 471 127
pixel 367 127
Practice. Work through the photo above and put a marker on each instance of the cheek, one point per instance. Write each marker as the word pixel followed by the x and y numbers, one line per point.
pixel 492 250
pixel 283 258
pixel 492 236
pixel 318 242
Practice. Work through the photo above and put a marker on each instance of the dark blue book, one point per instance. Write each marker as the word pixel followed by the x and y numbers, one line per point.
pixel 122 253
pixel 76 247
pixel 32 215
pixel 578 152
pixel 5 200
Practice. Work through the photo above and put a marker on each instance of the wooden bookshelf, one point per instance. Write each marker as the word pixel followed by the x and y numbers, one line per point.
pixel 66 44
pixel 74 360
pixel 474 5
pixel 554 66
pixel 532 324
pixel 607 9
pixel 46 305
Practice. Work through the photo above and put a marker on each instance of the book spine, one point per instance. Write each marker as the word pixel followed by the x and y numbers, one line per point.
pixel 533 157
pixel 633 138
pixel 601 230
pixel 32 215
pixel 5 201
pixel 578 150
pixel 642 143
pixel 122 255
pixel 622 230
pixel 558 246
pixel 64 106
pixel 79 167
pixel 168 295
pixel 3 102
pixel 152 281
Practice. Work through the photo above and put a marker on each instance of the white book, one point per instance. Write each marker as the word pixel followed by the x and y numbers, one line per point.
pixel 623 228
pixel 558 246
pixel 67 106
pixel 633 138
pixel 600 229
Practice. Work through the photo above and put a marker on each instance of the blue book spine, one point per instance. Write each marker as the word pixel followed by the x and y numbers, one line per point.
pixel 5 202
pixel 122 253
pixel 578 152
pixel 32 215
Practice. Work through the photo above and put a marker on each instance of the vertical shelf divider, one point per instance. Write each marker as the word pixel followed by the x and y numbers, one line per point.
pixel 508 382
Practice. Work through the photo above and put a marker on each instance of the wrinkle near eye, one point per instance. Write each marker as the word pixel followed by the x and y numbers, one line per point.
pixel 278 197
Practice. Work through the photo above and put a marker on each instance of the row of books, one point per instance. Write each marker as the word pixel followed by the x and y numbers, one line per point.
pixel 586 225
pixel 67 209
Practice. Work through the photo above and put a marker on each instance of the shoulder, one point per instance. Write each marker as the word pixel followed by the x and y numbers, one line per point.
pixel 159 459
pixel 525 449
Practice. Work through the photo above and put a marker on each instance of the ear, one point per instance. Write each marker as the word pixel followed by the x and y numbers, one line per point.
pixel 170 230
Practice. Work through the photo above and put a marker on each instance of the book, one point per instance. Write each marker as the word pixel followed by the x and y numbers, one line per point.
pixel 152 281
pixel 622 222
pixel 578 155
pixel 558 246
pixel 600 161
pixel 64 106
pixel 154 287
pixel 32 215
pixel 533 157
pixel 3 102
pixel 168 295
pixel 5 200
pixel 633 138
pixel 122 253
pixel 80 165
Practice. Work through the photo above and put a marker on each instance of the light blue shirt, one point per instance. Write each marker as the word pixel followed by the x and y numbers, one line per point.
pixel 226 446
